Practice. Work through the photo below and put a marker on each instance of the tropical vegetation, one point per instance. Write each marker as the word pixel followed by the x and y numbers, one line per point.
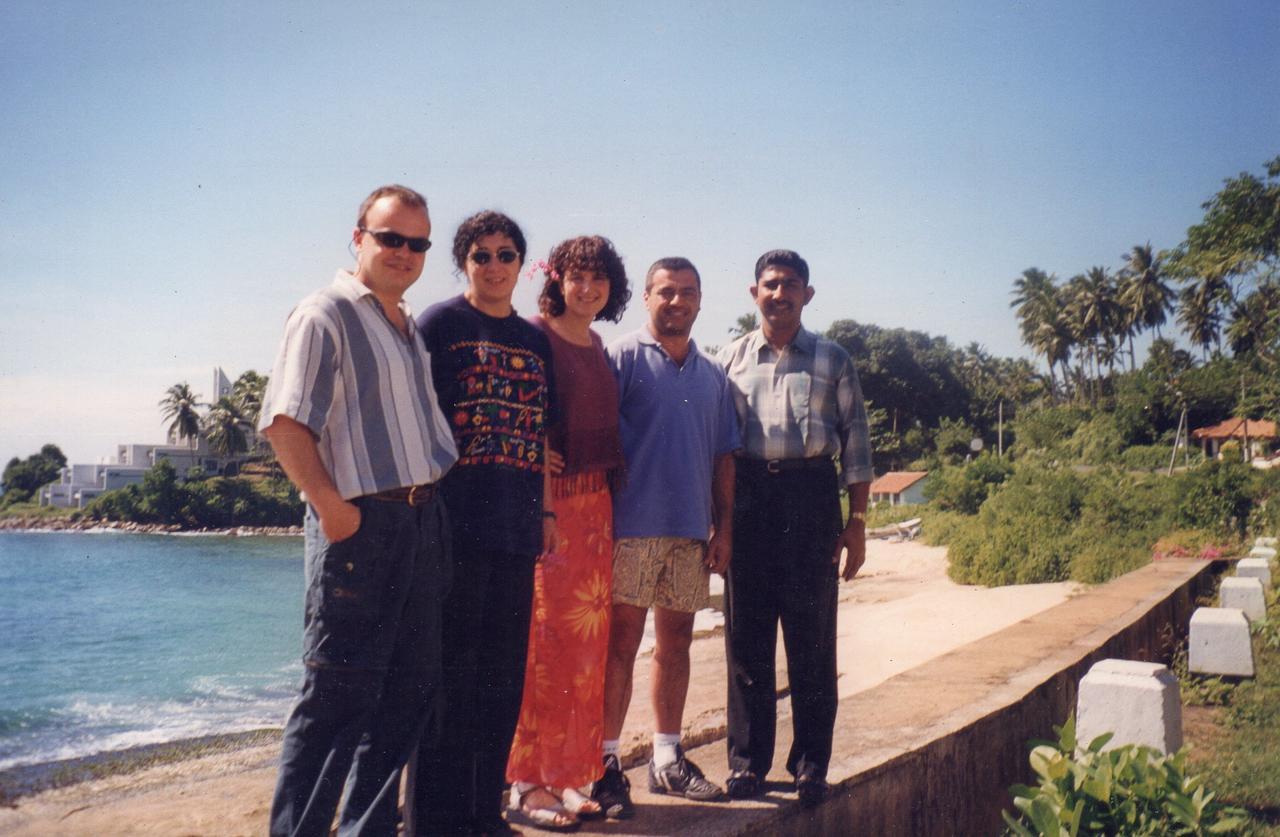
pixel 200 502
pixel 1127 789
pixel 24 477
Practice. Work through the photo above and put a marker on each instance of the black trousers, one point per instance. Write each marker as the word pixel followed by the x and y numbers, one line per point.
pixel 371 644
pixel 785 530
pixel 459 777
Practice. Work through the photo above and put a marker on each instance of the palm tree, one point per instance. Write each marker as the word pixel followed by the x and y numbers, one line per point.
pixel 1054 340
pixel 1146 295
pixel 1198 315
pixel 1094 316
pixel 745 324
pixel 1039 304
pixel 225 426
pixel 179 407
pixel 247 393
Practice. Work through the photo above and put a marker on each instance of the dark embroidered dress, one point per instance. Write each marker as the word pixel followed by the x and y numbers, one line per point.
pixel 493 376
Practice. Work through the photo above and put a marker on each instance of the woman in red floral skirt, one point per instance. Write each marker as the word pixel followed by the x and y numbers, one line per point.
pixel 556 752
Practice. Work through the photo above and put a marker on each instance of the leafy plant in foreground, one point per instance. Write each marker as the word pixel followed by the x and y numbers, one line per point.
pixel 1125 790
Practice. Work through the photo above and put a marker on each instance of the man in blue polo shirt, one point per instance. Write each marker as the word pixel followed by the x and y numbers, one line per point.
pixel 672 521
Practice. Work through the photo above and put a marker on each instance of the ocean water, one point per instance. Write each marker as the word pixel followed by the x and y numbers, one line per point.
pixel 113 640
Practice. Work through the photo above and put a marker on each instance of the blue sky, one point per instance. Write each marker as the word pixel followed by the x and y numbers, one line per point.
pixel 175 176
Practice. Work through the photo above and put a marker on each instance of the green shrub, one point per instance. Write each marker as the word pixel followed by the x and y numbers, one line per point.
pixel 1125 790
pixel 1120 517
pixel 1022 532
pixel 1098 441
pixel 1147 457
pixel 1216 496
pixel 964 488
pixel 1042 431
pixel 939 528
pixel 211 503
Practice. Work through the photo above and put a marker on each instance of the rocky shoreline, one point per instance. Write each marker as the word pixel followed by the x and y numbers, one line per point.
pixel 63 524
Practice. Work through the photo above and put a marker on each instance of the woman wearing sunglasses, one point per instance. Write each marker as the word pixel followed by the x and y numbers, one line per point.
pixel 556 753
pixel 492 373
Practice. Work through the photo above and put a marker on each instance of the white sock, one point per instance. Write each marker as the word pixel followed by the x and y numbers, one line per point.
pixel 613 747
pixel 664 747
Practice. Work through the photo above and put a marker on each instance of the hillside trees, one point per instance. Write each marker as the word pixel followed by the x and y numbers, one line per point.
pixel 24 477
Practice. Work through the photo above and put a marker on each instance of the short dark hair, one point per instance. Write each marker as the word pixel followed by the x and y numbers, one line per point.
pixel 783 258
pixel 485 222
pixel 586 252
pixel 671 263
pixel 404 194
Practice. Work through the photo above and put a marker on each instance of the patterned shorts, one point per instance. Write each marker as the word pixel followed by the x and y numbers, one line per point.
pixel 667 572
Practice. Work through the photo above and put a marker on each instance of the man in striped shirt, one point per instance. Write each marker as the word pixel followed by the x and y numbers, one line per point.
pixel 800 409
pixel 352 416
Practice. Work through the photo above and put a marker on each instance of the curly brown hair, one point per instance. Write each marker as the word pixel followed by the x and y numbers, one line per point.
pixel 486 222
pixel 586 252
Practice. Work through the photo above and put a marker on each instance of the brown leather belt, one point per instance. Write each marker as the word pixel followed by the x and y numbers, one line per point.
pixel 414 495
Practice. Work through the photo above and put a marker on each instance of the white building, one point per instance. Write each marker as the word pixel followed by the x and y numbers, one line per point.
pixel 77 485
pixel 899 487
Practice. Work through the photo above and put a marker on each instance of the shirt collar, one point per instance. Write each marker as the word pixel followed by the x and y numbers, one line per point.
pixel 346 284
pixel 804 341
pixel 647 338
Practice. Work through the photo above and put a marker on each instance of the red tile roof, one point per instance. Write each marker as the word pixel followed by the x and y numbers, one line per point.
pixel 1234 428
pixel 895 482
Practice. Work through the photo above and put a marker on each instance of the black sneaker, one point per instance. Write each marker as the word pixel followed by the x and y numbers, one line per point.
pixel 613 791
pixel 682 778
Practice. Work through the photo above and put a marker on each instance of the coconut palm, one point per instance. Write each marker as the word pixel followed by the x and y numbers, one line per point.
pixel 179 407
pixel 1146 295
pixel 1199 317
pixel 1093 314
pixel 1040 308
pixel 247 392
pixel 226 428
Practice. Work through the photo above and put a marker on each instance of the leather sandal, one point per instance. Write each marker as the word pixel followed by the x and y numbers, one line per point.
pixel 553 817
pixel 580 805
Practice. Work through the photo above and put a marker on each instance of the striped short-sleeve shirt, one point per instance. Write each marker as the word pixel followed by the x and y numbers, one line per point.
pixel 363 388
pixel 802 402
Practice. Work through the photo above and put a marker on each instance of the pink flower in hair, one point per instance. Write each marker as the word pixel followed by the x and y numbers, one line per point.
pixel 544 266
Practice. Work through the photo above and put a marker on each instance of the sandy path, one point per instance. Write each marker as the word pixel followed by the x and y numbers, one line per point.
pixel 899 613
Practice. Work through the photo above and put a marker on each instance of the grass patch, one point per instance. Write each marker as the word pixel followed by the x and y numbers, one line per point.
pixel 1234 744
pixel 33 510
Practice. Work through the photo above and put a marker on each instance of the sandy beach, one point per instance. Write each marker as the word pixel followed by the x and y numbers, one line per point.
pixel 900 612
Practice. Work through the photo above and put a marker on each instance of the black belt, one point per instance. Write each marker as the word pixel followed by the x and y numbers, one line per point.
pixel 778 466
pixel 414 495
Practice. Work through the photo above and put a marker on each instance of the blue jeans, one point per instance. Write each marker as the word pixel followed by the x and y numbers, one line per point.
pixel 371 647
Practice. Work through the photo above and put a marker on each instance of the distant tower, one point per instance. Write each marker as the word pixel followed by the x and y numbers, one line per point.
pixel 221 386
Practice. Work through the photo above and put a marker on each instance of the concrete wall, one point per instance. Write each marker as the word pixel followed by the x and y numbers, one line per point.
pixel 934 750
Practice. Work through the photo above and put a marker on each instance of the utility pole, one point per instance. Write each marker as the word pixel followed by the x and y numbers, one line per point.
pixel 1000 429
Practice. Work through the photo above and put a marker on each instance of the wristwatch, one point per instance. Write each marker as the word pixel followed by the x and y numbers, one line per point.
pixel 853 515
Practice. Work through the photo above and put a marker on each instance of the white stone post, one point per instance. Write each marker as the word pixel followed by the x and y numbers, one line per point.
pixel 1219 642
pixel 1138 702
pixel 1259 568
pixel 1245 594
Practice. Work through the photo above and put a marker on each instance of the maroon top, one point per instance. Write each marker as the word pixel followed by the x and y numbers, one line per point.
pixel 586 430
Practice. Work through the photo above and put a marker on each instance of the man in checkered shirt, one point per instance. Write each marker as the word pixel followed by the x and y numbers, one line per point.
pixel 804 435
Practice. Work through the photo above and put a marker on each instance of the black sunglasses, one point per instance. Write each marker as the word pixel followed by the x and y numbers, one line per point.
pixel 394 240
pixel 504 256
